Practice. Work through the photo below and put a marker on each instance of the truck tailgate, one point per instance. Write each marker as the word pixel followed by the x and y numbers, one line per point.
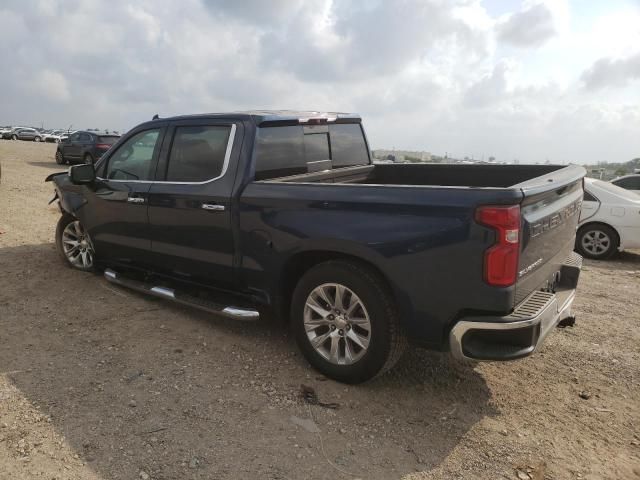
pixel 550 211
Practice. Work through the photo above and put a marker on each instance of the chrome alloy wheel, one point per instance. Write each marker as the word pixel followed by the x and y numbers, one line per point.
pixel 77 245
pixel 596 242
pixel 337 324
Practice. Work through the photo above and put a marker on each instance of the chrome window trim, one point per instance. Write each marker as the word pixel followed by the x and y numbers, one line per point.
pixel 225 165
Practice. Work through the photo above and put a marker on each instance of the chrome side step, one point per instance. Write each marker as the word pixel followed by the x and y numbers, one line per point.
pixel 236 313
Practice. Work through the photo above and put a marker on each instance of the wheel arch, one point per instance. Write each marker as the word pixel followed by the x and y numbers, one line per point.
pixel 605 224
pixel 301 262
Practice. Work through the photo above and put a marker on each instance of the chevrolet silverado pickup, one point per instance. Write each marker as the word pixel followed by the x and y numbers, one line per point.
pixel 248 213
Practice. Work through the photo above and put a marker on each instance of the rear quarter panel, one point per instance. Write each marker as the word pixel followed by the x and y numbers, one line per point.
pixel 424 240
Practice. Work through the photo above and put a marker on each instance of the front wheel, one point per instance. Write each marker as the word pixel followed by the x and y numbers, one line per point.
pixel 596 241
pixel 74 244
pixel 88 158
pixel 14 137
pixel 37 139
pixel 345 321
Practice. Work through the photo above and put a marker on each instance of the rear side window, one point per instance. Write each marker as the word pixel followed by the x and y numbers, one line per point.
pixel 198 153
pixel 347 145
pixel 108 140
pixel 285 151
pixel 279 152
pixel 589 198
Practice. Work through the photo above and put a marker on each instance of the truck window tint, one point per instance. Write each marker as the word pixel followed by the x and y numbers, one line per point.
pixel 279 152
pixel 197 153
pixel 589 198
pixel 347 145
pixel 134 158
pixel 316 147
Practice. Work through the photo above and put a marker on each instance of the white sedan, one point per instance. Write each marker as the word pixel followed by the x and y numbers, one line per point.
pixel 609 220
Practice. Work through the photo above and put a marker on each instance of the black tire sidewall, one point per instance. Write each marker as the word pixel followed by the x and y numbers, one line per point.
pixel 613 247
pixel 88 158
pixel 377 307
pixel 59 158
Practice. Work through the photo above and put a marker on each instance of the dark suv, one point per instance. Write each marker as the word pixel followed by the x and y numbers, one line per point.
pixel 84 147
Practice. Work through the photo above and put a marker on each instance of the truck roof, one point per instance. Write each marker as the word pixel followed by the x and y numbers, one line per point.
pixel 261 117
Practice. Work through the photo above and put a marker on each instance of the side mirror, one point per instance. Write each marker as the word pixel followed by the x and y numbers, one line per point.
pixel 82 174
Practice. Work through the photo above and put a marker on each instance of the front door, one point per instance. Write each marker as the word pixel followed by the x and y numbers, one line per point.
pixel 116 211
pixel 189 204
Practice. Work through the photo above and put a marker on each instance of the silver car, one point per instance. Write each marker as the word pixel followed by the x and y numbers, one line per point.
pixel 30 134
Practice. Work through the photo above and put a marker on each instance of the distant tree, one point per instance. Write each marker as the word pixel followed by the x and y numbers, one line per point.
pixel 620 172
pixel 492 159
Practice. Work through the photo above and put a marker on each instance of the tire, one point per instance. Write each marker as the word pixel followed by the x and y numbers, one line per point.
pixel 597 241
pixel 60 158
pixel 14 137
pixel 68 230
pixel 385 341
pixel 88 158
pixel 37 139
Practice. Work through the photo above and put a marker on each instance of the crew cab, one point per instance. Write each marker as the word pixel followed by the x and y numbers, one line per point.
pixel 244 214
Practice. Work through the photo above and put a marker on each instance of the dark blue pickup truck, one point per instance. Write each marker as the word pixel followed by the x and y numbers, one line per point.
pixel 284 212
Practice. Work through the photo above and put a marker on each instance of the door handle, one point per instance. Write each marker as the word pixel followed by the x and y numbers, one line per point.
pixel 213 207
pixel 135 200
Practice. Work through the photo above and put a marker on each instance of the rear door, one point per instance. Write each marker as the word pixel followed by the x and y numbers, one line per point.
pixel 70 148
pixel 190 202
pixel 550 212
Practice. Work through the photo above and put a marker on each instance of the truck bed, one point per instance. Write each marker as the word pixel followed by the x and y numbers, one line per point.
pixel 449 175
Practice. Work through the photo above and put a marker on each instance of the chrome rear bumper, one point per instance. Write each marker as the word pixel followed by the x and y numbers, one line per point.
pixel 520 333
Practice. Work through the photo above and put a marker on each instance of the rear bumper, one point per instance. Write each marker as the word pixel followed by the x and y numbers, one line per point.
pixel 520 333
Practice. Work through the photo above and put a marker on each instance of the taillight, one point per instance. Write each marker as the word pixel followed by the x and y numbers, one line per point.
pixel 501 260
pixel 103 146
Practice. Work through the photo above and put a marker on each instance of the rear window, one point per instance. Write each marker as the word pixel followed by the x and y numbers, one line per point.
pixel 285 151
pixel 347 145
pixel 110 140
pixel 197 153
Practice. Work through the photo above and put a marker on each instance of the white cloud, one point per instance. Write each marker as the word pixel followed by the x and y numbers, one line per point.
pixel 612 72
pixel 51 85
pixel 425 74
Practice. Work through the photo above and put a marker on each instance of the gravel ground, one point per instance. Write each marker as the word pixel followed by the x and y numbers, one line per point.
pixel 98 382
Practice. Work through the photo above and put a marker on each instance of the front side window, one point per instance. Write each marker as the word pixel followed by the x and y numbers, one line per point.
pixel 134 159
pixel 198 153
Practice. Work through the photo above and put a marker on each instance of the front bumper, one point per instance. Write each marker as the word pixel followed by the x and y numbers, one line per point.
pixel 520 333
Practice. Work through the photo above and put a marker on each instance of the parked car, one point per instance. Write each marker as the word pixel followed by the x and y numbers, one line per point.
pixel 84 147
pixel 609 220
pixel 54 136
pixel 29 134
pixel 242 213
pixel 628 182
pixel 4 130
pixel 9 133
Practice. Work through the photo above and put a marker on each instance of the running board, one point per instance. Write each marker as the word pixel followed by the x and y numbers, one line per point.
pixel 236 313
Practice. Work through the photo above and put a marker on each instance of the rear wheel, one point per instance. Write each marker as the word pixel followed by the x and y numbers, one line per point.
pixel 37 139
pixel 345 321
pixel 88 158
pixel 59 158
pixel 14 137
pixel 74 244
pixel 596 241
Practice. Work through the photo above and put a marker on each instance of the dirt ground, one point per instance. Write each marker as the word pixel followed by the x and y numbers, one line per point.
pixel 98 382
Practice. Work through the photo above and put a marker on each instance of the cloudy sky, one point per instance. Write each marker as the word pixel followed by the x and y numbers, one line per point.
pixel 529 80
